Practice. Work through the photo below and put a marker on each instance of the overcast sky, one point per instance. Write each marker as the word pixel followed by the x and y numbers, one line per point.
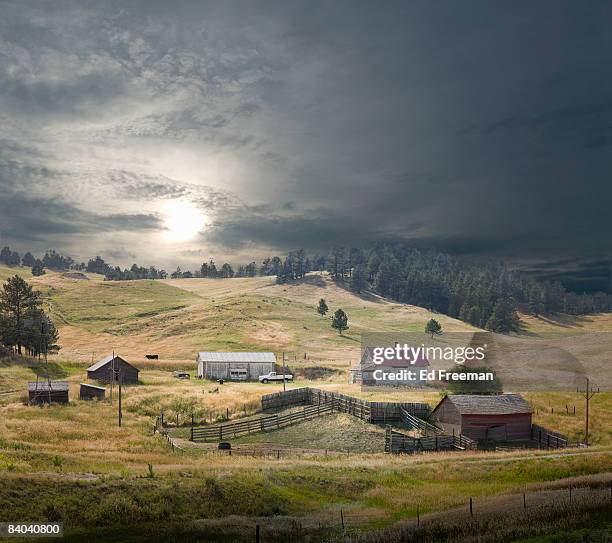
pixel 480 127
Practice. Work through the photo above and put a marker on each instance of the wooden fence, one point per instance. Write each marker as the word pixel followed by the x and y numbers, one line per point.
pixel 365 410
pixel 547 438
pixel 282 400
pixel 415 423
pixel 396 442
pixel 219 432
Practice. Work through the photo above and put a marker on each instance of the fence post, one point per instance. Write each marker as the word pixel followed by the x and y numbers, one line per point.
pixel 524 501
pixel 257 533
pixel 418 517
pixel 342 519
pixel 570 493
pixel 471 510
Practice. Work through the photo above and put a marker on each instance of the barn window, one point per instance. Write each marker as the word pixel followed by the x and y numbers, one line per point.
pixel 238 374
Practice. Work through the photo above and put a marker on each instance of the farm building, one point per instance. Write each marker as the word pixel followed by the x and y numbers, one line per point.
pixel 503 417
pixel 234 366
pixel 48 392
pixel 91 392
pixel 391 372
pixel 103 369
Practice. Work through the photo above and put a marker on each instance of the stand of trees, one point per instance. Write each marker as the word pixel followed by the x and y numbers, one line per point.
pixel 24 327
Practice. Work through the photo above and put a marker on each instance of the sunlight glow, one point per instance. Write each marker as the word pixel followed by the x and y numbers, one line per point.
pixel 183 221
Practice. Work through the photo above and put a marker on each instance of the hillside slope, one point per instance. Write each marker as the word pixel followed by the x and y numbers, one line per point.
pixel 176 318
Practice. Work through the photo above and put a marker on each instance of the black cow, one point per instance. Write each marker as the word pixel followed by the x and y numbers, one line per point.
pixel 152 356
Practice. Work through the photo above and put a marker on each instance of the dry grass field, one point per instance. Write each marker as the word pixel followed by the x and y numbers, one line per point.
pixel 75 464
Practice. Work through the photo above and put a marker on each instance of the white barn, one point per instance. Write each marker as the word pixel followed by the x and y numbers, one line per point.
pixel 235 366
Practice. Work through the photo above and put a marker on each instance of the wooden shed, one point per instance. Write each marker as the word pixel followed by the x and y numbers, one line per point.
pixel 103 370
pixel 392 371
pixel 503 417
pixel 91 392
pixel 41 392
pixel 234 366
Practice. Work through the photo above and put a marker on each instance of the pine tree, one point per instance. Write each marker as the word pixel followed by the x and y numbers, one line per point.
pixel 38 269
pixel 18 304
pixel 433 327
pixel 340 321
pixel 358 280
pixel 504 318
pixel 322 308
pixel 28 260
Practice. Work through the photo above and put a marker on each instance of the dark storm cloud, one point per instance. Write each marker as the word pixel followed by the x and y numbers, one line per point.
pixel 482 129
pixel 25 216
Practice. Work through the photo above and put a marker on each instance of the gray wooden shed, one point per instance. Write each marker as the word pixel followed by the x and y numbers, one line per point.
pixel 103 370
pixel 235 366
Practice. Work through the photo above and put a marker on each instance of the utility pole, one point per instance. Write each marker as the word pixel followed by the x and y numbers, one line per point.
pixel 120 383
pixel 587 393
pixel 112 376
pixel 284 369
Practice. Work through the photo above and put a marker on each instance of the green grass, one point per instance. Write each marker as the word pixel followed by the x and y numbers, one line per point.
pixel 336 432
pixel 116 307
pixel 6 272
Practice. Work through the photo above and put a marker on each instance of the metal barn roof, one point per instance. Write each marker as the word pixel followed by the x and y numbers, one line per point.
pixel 105 361
pixel 92 386
pixel 210 356
pixel 43 386
pixel 501 404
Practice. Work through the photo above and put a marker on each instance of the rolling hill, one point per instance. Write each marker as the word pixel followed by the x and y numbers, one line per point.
pixel 176 318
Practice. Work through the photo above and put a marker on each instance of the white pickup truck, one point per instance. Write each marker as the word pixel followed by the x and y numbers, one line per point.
pixel 273 376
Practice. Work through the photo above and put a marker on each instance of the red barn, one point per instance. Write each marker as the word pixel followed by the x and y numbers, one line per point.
pixel 504 417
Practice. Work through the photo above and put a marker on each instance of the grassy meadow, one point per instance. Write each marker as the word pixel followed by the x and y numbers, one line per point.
pixel 73 463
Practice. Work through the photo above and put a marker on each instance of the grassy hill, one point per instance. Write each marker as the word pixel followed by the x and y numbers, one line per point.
pixel 176 318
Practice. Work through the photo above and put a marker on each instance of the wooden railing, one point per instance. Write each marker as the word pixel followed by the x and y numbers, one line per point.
pixel 219 432
pixel 397 442
pixel 363 409
pixel 547 438
pixel 415 423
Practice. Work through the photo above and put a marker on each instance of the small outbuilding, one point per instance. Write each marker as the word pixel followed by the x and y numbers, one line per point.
pixel 391 371
pixel 502 417
pixel 45 392
pixel 91 392
pixel 234 366
pixel 104 369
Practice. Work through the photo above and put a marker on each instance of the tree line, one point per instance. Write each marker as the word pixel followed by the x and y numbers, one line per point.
pixel 485 294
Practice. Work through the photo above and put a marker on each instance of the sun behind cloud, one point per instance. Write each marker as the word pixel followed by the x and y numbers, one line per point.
pixel 183 221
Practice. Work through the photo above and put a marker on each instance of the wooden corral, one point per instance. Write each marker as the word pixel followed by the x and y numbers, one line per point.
pixel 45 392
pixel 103 371
pixel 397 442
pixel 235 366
pixel 91 392
pixel 503 417
pixel 371 411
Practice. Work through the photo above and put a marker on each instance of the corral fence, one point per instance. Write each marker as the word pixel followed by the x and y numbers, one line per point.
pixel 547 438
pixel 397 442
pixel 375 412
pixel 261 424
pixel 415 423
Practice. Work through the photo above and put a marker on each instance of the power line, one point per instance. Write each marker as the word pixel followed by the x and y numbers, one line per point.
pixel 588 393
